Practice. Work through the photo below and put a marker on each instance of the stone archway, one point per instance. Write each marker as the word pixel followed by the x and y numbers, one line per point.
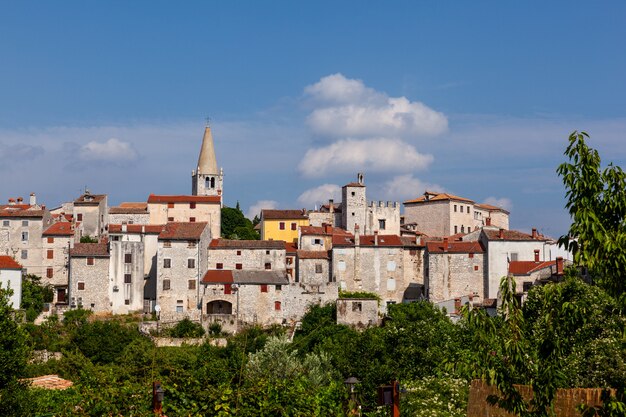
pixel 219 307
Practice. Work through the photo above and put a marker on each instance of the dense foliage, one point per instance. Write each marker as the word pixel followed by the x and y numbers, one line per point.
pixel 34 295
pixel 236 226
pixel 88 239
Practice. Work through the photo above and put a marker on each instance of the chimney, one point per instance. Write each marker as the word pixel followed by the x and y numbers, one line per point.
pixel 20 200
pixel 33 199
pixel 376 238
pixel 501 234
pixel 331 205
pixel 488 221
pixel 445 244
pixel 328 229
pixel 559 265
pixel 11 201
pixel 359 178
pixel 534 233
pixel 143 229
pixel 536 255
pixel 43 206
pixel 357 239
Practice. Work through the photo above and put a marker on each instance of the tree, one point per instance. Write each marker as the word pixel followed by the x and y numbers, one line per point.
pixel 34 295
pixel 88 239
pixel 596 201
pixel 236 226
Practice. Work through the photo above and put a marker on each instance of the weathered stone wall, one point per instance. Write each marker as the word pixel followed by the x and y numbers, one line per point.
pixel 181 212
pixel 96 293
pixel 357 312
pixel 315 242
pixel 313 273
pixel 414 269
pixel 354 208
pixel 452 275
pixel 12 278
pixel 317 218
pixel 126 297
pixel 129 218
pixel 387 211
pixel 461 221
pixel 250 259
pixel 432 218
pixel 11 243
pixel 60 256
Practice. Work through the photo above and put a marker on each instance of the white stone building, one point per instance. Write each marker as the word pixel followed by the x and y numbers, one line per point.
pixel 186 209
pixel 11 277
pixel 92 211
pixel 89 284
pixel 57 240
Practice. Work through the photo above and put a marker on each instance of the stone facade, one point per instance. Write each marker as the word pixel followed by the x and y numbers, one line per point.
pixel 93 212
pixel 181 208
pixel 89 284
pixel 247 255
pixel 206 180
pixel 57 240
pixel 354 205
pixel 126 275
pixel 129 215
pixel 357 312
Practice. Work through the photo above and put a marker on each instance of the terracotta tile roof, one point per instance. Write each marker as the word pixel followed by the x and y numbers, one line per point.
pixel 220 276
pixel 128 210
pixel 6 262
pixel 49 382
pixel 246 244
pixel 133 204
pixel 210 199
pixel 150 229
pixel 321 230
pixel 90 249
pixel 326 208
pixel 354 184
pixel 291 248
pixel 410 241
pixel 13 211
pixel 15 206
pixel 182 231
pixel 438 197
pixel 313 254
pixel 489 207
pixel 494 234
pixel 59 229
pixel 455 247
pixel 283 214
pixel 89 199
pixel 528 267
pixel 367 240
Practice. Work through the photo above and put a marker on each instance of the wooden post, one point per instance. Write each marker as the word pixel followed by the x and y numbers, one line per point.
pixel 395 407
pixel 157 399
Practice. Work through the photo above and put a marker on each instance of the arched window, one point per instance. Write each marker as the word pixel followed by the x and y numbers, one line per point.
pixel 212 182
pixel 207 182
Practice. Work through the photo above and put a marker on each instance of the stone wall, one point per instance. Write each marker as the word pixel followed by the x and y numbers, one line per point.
pixel 313 273
pixel 354 208
pixel 96 293
pixel 250 259
pixel 129 218
pixel 60 255
pixel 389 212
pixel 181 212
pixel 432 218
pixel 127 296
pixel 452 275
pixel 29 253
pixel 357 312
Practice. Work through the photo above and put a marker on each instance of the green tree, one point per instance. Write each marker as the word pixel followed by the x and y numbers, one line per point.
pixel 103 341
pixel 596 201
pixel 186 328
pixel 88 239
pixel 34 295
pixel 236 226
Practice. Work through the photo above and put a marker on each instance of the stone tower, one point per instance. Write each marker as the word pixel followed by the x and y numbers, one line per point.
pixel 206 179
pixel 354 210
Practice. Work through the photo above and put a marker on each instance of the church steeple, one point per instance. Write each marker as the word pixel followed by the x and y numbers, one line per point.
pixel 206 179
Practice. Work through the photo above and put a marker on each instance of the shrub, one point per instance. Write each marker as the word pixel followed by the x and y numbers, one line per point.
pixel 186 328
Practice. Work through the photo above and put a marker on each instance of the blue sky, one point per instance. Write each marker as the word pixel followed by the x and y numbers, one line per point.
pixel 474 98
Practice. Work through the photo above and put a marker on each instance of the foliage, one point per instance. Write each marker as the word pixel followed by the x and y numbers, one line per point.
pixel 236 226
pixel 76 317
pixel 596 200
pixel 88 239
pixel 442 396
pixel 103 341
pixel 358 294
pixel 34 295
pixel 186 328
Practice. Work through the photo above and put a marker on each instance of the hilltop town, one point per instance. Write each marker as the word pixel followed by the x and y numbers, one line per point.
pixel 167 255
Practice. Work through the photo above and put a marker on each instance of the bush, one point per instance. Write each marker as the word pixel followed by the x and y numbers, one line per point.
pixel 186 328
pixel 103 341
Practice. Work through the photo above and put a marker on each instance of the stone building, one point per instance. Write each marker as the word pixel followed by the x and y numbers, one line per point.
pixel 181 262
pixel 206 180
pixel 529 273
pixel 282 224
pixel 21 229
pixel 186 208
pixel 313 270
pixel 489 215
pixel 454 269
pixel 93 212
pixel 358 312
pixel 313 238
pixel 327 214
pixel 57 240
pixel 414 265
pixel 126 272
pixel 257 255
pixel 129 213
pixel 89 283
pixel 11 277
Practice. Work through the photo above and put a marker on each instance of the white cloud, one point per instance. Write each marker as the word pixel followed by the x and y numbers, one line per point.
pixel 320 195
pixel 404 187
pixel 350 155
pixel 349 108
pixel 503 202
pixel 255 209
pixel 113 150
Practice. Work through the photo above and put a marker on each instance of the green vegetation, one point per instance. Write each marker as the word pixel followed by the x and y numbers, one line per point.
pixel 358 294
pixel 34 295
pixel 88 239
pixel 236 226
pixel 186 328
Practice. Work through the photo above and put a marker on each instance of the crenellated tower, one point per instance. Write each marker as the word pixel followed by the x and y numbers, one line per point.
pixel 206 179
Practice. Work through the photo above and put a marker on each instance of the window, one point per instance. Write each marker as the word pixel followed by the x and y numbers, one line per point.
pixel 391 265
pixel 24 223
pixel 49 273
pixel 267 252
pixel 238 266
pixel 278 287
pixel 179 309
pixel 318 268
pixel 317 241
pixel 90 261
pixel 24 236
pixel 341 265
pixel 527 285
pixel 264 288
pixel 381 224
pixel 455 208
pixel 127 302
pixel 353 194
pixel 513 256
pixel 462 229
pixel 80 285
pixel 471 255
pixel 191 244
pixel 170 205
pixel 166 284
pixel 191 263
pixel 128 258
pixel 391 284
pixel 468 209
pixel 191 284
pixel 456 229
pixel 6 223
pixel 50 240
pixel 228 289
pixel 167 244
pixel 115 238
pixel 219 265
pixel 127 279
pixel 277 305
pixel 50 254
pixel 294 226
pixel 461 207
pixel 79 217
pixel 475 267
pixel 167 263
pixel 24 254
pixel 289 260
pixel 238 253
pixel 170 219
pixel 268 265
pixel 192 205
pixel 357 306
pixel 192 220
pixel 281 225
pixel 212 182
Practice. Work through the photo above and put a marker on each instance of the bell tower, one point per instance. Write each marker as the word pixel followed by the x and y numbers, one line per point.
pixel 206 179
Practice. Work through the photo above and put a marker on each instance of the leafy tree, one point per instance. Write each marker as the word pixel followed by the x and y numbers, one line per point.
pixel 186 328
pixel 236 226
pixel 34 295
pixel 103 341
pixel 88 239
pixel 596 200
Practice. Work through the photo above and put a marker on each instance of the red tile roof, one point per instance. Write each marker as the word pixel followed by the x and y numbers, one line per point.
pixel 489 207
pixel 528 267
pixel 455 247
pixel 6 262
pixel 368 240
pixel 321 230
pixel 246 244
pixel 283 214
pixel 182 231
pixel 90 249
pixel 89 199
pixel 12 211
pixel 137 228
pixel 219 276
pixel 59 229
pixel 49 382
pixel 134 204
pixel 291 248
pixel 210 199
pixel 438 197
pixel 494 234
pixel 313 254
